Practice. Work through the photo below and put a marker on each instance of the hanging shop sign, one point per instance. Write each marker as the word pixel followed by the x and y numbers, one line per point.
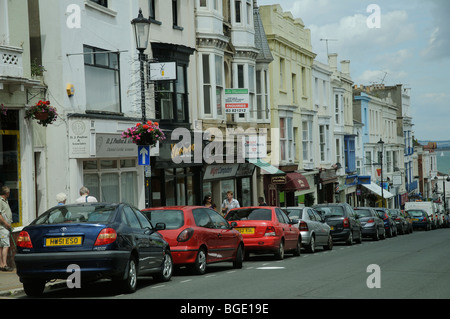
pixel 236 101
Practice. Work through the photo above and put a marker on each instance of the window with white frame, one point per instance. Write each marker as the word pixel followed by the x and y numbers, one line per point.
pixel 249 13
pixel 262 95
pixel 207 98
pixel 324 147
pixel 238 11
pixel 286 139
pixel 102 79
pixel 307 140
pixel 212 70
pixel 219 84
pixel 338 151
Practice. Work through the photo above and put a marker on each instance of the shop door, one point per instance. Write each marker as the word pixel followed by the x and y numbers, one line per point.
pixel 10 170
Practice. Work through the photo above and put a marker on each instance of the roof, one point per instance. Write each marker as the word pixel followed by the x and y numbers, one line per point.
pixel 261 43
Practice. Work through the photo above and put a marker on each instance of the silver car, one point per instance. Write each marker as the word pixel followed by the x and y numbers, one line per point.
pixel 315 232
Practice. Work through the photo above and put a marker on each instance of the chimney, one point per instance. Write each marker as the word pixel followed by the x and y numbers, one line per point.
pixel 345 67
pixel 332 61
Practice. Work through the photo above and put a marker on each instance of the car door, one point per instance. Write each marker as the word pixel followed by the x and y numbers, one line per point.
pixel 290 234
pixel 320 228
pixel 207 234
pixel 139 238
pixel 227 238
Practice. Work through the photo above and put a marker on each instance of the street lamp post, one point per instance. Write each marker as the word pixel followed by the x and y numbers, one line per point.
pixel 141 27
pixel 381 143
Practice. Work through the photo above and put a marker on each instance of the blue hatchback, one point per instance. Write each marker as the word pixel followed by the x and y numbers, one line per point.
pixel 419 219
pixel 114 241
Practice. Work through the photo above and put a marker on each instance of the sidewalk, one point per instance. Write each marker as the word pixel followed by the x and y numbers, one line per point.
pixel 9 283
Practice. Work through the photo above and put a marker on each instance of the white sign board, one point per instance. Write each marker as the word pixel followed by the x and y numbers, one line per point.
pixel 255 146
pixel 236 101
pixel 162 71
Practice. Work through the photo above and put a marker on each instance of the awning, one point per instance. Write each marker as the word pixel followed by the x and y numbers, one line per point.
pixel 295 182
pixel 374 188
pixel 265 167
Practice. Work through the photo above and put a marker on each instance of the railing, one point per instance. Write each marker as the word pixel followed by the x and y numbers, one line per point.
pixel 11 61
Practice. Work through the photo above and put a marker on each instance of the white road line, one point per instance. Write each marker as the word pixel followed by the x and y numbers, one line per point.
pixel 160 286
pixel 185 281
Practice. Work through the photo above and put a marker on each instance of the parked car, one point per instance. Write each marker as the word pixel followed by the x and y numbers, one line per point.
pixel 105 240
pixel 428 207
pixel 266 230
pixel 372 225
pixel 389 225
pixel 198 236
pixel 342 220
pixel 420 218
pixel 313 229
pixel 400 221
pixel 409 221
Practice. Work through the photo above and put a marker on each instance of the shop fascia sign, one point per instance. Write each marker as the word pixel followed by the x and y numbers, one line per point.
pixel 162 71
pixel 236 101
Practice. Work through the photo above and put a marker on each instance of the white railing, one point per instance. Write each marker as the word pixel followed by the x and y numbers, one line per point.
pixel 11 61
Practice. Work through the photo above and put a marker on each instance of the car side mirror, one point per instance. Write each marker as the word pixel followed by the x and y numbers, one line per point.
pixel 160 226
pixel 233 224
pixel 294 221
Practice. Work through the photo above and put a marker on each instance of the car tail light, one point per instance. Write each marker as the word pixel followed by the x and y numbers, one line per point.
pixel 185 235
pixel 346 222
pixel 424 219
pixel 106 236
pixel 270 231
pixel 303 226
pixel 398 219
pixel 371 220
pixel 24 240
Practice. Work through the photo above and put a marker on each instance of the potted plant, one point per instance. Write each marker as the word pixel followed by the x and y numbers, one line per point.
pixel 43 112
pixel 37 69
pixel 145 133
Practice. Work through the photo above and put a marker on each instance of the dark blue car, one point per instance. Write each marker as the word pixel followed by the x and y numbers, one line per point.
pixel 114 241
pixel 420 218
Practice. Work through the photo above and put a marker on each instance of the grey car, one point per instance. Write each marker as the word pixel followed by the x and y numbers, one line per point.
pixel 315 232
pixel 371 224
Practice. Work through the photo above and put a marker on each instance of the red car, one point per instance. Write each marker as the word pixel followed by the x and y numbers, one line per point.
pixel 266 229
pixel 198 236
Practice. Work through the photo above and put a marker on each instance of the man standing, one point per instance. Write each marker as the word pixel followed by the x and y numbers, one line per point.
pixel 5 227
pixel 229 203
pixel 84 196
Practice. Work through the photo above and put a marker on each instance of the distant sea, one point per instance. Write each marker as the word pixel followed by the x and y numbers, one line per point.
pixel 443 161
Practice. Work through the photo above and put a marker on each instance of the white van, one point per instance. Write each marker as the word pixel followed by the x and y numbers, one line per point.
pixel 429 207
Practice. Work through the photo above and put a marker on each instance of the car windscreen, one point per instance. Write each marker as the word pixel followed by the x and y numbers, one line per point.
pixel 250 214
pixel 173 219
pixel 416 213
pixel 331 211
pixel 363 212
pixel 77 214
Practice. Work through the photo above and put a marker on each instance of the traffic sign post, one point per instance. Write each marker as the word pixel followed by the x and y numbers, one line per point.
pixel 144 155
pixel 144 160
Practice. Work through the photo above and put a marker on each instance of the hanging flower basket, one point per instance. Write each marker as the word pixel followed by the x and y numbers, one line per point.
pixel 42 112
pixel 145 133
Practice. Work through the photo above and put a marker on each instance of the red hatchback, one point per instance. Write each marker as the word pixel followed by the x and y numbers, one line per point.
pixel 266 229
pixel 198 236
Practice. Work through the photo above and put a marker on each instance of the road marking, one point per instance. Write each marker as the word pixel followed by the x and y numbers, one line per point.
pixel 185 281
pixel 270 268
pixel 209 276
pixel 160 286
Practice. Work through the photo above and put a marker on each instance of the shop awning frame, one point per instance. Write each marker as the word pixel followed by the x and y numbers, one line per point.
pixel 374 188
pixel 265 167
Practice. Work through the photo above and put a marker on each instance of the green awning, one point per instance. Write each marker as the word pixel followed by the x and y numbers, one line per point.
pixel 265 167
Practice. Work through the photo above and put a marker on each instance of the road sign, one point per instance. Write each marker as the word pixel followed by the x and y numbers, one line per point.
pixel 144 155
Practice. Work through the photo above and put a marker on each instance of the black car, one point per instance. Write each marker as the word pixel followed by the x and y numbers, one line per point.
pixel 342 220
pixel 400 221
pixel 372 225
pixel 114 241
pixel 389 225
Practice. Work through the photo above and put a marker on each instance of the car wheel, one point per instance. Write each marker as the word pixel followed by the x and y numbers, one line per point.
pixel 238 261
pixel 166 268
pixel 129 283
pixel 359 239
pixel 329 245
pixel 350 239
pixel 199 266
pixel 298 248
pixel 376 237
pixel 279 254
pixel 312 245
pixel 34 288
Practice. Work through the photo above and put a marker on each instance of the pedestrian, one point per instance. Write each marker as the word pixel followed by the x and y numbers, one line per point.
pixel 207 202
pixel 229 203
pixel 261 201
pixel 85 197
pixel 61 199
pixel 5 227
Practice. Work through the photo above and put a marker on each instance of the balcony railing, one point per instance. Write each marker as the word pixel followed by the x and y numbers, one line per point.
pixel 11 61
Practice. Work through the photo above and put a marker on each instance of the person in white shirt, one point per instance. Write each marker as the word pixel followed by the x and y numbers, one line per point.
pixel 229 203
pixel 85 197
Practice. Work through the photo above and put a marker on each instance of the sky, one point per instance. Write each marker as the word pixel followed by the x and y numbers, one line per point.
pixel 388 41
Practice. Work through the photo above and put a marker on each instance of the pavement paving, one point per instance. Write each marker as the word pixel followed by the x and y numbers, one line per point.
pixel 10 284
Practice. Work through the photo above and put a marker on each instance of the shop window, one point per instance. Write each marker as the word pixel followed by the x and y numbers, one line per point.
pixel 112 180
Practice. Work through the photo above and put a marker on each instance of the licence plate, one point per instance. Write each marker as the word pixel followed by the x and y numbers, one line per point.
pixel 63 241
pixel 415 219
pixel 247 230
pixel 331 227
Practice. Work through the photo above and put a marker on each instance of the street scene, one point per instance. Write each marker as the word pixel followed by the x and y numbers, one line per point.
pixel 163 149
